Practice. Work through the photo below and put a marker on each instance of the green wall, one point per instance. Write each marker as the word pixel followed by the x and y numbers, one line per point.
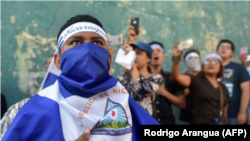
pixel 29 31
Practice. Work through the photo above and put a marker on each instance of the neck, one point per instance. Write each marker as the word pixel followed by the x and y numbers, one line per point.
pixel 226 61
pixel 211 77
pixel 193 72
pixel 144 71
pixel 155 69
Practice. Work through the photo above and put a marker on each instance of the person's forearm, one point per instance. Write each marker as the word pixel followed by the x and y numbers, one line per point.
pixel 244 101
pixel 135 73
pixel 178 101
pixel 176 69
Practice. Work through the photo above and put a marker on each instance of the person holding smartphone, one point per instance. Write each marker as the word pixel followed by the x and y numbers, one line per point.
pixel 139 82
pixel 205 90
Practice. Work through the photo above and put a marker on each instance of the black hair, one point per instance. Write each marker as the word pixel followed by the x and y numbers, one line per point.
pixel 191 50
pixel 226 41
pixel 79 18
pixel 156 42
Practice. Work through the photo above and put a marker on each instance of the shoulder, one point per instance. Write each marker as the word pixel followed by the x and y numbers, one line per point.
pixel 122 77
pixel 165 73
pixel 196 78
pixel 224 88
pixel 236 65
pixel 156 77
pixel 15 107
pixel 22 102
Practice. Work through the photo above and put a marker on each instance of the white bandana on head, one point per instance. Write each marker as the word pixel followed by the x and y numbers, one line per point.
pixel 156 46
pixel 79 27
pixel 192 54
pixel 212 55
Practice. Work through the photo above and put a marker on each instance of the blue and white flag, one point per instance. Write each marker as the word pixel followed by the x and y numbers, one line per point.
pixel 51 75
pixel 49 116
pixel 83 96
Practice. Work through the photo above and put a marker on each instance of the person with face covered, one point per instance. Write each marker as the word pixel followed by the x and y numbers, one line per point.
pixel 84 98
pixel 193 67
pixel 170 93
pixel 138 81
pixel 209 97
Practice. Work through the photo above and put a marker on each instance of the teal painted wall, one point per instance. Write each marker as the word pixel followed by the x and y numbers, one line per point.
pixel 29 31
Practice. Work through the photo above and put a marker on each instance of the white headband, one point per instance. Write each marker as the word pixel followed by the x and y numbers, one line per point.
pixel 212 55
pixel 192 54
pixel 156 46
pixel 79 27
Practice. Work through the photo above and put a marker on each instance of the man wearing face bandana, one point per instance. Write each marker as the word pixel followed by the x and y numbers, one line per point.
pixel 85 96
pixel 193 67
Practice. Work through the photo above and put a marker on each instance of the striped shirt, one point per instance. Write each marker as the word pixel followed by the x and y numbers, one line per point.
pixel 10 115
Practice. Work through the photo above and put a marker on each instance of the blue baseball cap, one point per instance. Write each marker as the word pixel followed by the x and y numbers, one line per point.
pixel 143 46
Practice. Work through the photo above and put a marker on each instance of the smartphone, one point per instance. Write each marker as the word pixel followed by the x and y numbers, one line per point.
pixel 186 44
pixel 135 23
pixel 243 52
pixel 116 40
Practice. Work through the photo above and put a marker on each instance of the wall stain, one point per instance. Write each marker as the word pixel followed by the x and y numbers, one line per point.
pixel 28 47
pixel 12 19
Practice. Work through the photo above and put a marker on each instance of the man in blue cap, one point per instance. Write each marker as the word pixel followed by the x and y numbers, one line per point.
pixel 138 81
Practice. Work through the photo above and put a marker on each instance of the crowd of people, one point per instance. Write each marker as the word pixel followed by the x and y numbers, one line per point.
pixel 213 90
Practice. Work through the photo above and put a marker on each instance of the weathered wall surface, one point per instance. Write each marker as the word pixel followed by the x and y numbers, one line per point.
pixel 29 31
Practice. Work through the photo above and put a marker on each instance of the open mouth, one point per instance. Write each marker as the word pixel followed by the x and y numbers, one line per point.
pixel 156 58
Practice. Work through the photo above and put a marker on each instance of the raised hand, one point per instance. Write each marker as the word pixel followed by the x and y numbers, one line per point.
pixel 177 53
pixel 132 36
pixel 126 47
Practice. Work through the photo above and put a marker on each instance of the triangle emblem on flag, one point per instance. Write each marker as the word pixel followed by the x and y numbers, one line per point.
pixel 114 122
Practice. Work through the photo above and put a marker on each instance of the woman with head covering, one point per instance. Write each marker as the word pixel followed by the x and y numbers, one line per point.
pixel 206 92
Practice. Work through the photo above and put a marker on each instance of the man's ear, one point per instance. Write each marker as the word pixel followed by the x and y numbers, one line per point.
pixel 57 60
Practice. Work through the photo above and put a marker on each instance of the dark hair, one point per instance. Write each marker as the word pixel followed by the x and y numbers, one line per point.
pixel 79 18
pixel 155 42
pixel 219 75
pixel 191 50
pixel 226 41
pixel 148 55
